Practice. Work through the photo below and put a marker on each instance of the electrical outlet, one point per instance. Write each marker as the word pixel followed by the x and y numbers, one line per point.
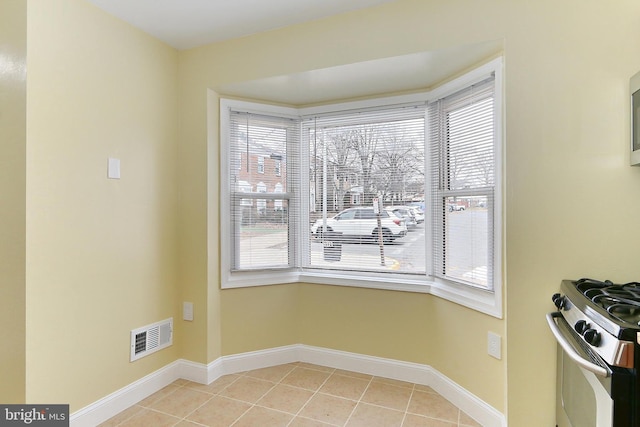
pixel 494 345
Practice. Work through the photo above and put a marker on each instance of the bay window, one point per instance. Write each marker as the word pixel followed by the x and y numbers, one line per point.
pixel 405 188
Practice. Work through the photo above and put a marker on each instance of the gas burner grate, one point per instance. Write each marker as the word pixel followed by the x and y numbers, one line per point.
pixel 622 302
pixel 584 285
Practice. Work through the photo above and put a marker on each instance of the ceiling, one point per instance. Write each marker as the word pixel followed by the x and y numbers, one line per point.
pixel 418 71
pixel 185 24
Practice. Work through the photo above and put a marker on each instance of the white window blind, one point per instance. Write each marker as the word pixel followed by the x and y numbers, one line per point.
pixel 463 177
pixel 354 158
pixel 262 164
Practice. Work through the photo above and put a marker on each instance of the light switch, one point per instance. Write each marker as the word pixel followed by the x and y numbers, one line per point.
pixel 113 168
pixel 187 311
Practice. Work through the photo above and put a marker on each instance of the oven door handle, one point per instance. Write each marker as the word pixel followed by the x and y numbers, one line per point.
pixel 573 355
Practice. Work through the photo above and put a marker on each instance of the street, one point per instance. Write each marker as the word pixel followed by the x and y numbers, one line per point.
pixel 407 253
pixel 466 255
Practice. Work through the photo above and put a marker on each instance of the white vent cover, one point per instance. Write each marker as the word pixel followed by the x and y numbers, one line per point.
pixel 151 338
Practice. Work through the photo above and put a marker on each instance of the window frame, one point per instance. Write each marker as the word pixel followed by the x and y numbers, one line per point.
pixel 482 300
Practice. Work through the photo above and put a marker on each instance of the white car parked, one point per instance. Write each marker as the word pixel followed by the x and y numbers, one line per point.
pixel 360 223
pixel 418 214
pixel 406 213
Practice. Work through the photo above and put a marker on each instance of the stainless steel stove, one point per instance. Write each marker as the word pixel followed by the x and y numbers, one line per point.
pixel 597 326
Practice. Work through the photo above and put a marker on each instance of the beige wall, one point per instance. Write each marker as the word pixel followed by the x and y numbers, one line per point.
pixel 101 254
pixel 568 68
pixel 568 185
pixel 105 256
pixel 259 318
pixel 13 116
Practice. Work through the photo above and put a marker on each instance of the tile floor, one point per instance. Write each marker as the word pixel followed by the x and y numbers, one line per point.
pixel 294 395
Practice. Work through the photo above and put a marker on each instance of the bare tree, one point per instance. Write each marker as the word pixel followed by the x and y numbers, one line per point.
pixel 379 159
pixel 364 142
pixel 398 166
pixel 340 159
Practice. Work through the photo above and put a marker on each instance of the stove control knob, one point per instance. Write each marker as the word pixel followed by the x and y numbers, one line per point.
pixel 581 326
pixel 558 300
pixel 592 337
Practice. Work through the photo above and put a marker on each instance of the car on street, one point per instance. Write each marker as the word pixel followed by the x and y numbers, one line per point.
pixel 404 212
pixel 418 214
pixel 418 205
pixel 456 208
pixel 362 223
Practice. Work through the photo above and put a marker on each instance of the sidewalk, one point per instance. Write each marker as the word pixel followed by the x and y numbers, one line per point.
pixel 351 261
pixel 272 249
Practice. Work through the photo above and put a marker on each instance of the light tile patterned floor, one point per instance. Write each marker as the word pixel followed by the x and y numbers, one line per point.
pixel 294 395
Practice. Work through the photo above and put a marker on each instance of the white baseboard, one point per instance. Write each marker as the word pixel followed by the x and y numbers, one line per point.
pixel 261 359
pixel 107 407
pixel 116 402
pixel 475 407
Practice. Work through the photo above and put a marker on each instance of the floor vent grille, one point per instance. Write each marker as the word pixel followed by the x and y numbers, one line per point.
pixel 151 338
